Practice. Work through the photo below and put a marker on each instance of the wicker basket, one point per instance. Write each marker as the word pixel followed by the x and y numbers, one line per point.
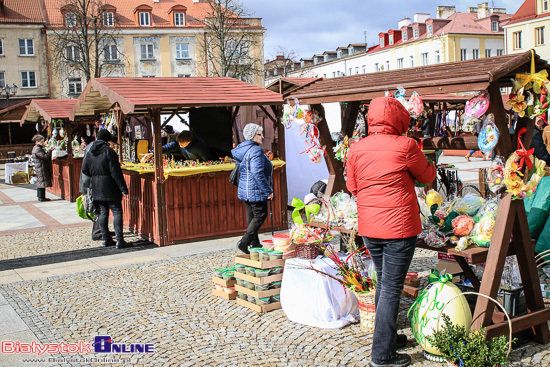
pixel 367 310
pixel 307 251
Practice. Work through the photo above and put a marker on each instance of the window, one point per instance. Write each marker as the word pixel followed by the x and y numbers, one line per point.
pixel 108 19
pixel 144 19
pixel 545 7
pixel 184 75
pixel 350 51
pixel 404 35
pixel 182 50
pixel 430 30
pixel 70 20
pixel 539 36
pixel 334 74
pixel 1 47
pixel 391 39
pixel 28 79
pixel 437 57
pixel 424 58
pixel 110 53
pixel 350 71
pixel 2 79
pixel 179 19
pixel 500 52
pixel 494 26
pixel 339 54
pixel 463 54
pixel 324 76
pixel 364 68
pixel 411 61
pixel 381 41
pixel 387 65
pixel 475 53
pixel 400 63
pixel 415 33
pixel 356 70
pixel 275 72
pixel 26 47
pixel 72 53
pixel 517 40
pixel 376 68
pixel 147 52
pixel 75 86
pixel 487 52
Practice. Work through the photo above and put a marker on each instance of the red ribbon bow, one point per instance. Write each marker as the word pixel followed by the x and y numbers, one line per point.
pixel 523 153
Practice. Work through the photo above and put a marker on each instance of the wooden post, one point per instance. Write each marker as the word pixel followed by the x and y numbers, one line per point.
pixel 160 204
pixel 9 132
pixel 335 168
pixel 69 132
pixel 120 123
pixel 281 153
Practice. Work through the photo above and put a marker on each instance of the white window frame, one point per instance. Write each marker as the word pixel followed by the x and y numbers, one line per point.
pixel 2 79
pixel 494 26
pixel 415 33
pixel 108 52
pixel 430 30
pixel 463 54
pixel 381 41
pixel 539 36
pixel 545 7
pixel 72 53
pixel 424 58
pixel 181 51
pixel 376 67
pixel 74 85
pixel 364 68
pixel 26 79
pixel 400 63
pixel 391 39
pixel 357 70
pixel 339 54
pixel 109 19
pixel 411 61
pixel 184 75
pixel 70 20
pixel 1 47
pixel 179 19
pixel 437 57
pixel 488 52
pixel 404 36
pixel 387 65
pixel 500 51
pixel 28 44
pixel 350 71
pixel 350 51
pixel 145 48
pixel 144 19
pixel 516 39
pixel 475 53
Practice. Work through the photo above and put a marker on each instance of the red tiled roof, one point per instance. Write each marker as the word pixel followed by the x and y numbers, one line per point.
pixel 48 109
pixel 527 11
pixel 22 11
pixel 125 12
pixel 133 94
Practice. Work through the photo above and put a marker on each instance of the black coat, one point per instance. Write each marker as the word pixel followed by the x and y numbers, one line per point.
pixel 101 164
pixel 540 149
pixel 42 166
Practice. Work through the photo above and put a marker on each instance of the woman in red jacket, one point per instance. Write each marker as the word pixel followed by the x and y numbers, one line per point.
pixel 381 171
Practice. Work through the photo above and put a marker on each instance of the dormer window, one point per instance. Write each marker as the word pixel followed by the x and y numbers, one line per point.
pixel 415 33
pixel 350 51
pixel 108 19
pixel 179 19
pixel 339 54
pixel 430 30
pixel 381 41
pixel 391 39
pixel 142 15
pixel 404 35
pixel 494 26
pixel 177 15
pixel 70 20
pixel 145 19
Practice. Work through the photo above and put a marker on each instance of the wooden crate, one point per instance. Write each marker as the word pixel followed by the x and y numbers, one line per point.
pixel 225 283
pixel 262 294
pixel 261 281
pixel 262 309
pixel 245 260
pixel 222 294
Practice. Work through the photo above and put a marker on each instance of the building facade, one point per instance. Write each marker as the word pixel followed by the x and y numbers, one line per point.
pixel 528 29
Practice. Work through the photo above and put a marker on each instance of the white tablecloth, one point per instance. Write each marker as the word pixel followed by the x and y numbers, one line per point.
pixel 310 298
pixel 12 168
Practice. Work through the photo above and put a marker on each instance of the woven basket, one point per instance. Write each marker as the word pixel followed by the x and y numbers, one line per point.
pixel 367 310
pixel 307 251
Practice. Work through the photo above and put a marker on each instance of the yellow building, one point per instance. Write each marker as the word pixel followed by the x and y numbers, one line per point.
pixel 528 27
pixel 146 38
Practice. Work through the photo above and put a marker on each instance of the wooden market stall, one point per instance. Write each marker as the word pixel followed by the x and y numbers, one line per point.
pixel 168 205
pixel 442 79
pixel 15 140
pixel 48 113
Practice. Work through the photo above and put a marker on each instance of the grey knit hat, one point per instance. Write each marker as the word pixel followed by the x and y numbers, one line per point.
pixel 250 131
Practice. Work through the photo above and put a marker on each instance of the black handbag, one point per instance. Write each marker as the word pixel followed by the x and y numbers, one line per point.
pixel 235 175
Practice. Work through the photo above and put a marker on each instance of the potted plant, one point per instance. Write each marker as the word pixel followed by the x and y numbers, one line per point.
pixel 465 348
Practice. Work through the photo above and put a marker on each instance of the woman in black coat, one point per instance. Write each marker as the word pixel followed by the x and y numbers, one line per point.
pixel 108 185
pixel 42 167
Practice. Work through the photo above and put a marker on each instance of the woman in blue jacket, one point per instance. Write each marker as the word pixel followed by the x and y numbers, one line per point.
pixel 255 183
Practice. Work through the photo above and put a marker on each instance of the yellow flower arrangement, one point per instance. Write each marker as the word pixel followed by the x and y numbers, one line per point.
pixel 518 103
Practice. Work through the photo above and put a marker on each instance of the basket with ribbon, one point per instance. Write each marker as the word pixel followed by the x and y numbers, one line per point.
pixel 307 240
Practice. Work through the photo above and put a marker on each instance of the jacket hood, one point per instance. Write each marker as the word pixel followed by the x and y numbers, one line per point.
pixel 388 116
pixel 98 147
pixel 241 149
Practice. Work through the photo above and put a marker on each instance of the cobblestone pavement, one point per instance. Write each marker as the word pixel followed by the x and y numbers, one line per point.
pixel 169 303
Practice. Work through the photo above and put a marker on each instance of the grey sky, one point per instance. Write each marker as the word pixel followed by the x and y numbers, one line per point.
pixel 313 26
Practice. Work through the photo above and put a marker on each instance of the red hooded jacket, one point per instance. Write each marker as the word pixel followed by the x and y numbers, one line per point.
pixel 381 171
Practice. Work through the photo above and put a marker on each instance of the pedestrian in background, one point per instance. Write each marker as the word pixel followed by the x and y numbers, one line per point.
pixel 42 167
pixel 255 183
pixel 381 172
pixel 108 185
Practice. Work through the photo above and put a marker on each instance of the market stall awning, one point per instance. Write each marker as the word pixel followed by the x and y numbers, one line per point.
pixel 48 109
pixel 286 85
pixel 444 78
pixel 13 113
pixel 136 95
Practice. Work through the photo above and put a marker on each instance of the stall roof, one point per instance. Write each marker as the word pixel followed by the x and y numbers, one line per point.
pixel 48 109
pixel 14 112
pixel 286 85
pixel 452 77
pixel 136 95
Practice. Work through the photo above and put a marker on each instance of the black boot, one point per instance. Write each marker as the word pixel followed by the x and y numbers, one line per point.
pixel 244 248
pixel 400 360
pixel 108 242
pixel 122 244
pixel 400 341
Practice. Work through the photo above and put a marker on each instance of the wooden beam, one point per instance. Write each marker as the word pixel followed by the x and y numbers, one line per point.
pixel 273 119
pixel 349 118
pixel 169 118
pixel 519 323
pixel 160 204
pixel 234 126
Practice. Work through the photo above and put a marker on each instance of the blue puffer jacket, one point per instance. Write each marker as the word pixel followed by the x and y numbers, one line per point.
pixel 256 170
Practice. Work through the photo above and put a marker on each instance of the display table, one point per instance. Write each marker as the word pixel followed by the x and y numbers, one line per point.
pixel 12 168
pixel 313 299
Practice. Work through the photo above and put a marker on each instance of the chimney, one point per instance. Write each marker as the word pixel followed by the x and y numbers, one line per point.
pixel 280 57
pixel 196 1
pixel 483 10
pixel 156 1
pixel 444 12
pixel 267 61
pixel 420 17
pixel 403 23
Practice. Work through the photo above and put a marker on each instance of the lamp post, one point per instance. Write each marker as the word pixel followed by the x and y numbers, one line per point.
pixel 9 91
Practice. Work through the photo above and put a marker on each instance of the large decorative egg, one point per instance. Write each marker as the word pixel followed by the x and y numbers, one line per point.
pixel 469 204
pixel 425 312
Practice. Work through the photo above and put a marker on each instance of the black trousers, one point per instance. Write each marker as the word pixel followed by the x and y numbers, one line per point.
pixel 41 193
pixel 256 213
pixel 103 219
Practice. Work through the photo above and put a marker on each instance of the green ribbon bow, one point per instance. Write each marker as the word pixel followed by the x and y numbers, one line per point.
pixel 436 277
pixel 298 206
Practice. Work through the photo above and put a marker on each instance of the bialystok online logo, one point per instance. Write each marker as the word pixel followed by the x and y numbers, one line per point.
pixel 101 344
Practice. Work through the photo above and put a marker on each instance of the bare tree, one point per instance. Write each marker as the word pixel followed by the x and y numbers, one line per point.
pixel 231 40
pixel 87 44
pixel 285 59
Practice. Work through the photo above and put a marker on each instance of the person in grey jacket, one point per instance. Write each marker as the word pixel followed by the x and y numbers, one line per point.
pixel 255 183
pixel 42 167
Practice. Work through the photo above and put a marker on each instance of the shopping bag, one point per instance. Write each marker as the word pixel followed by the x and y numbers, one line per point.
pixel 82 205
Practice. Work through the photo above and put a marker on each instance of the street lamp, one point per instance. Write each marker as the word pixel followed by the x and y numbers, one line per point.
pixel 10 91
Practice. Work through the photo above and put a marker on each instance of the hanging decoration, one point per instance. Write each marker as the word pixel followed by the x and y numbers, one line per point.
pixel 88 130
pixel 488 136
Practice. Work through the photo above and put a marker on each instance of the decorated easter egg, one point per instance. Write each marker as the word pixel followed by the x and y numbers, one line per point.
pixel 463 225
pixel 433 197
pixel 469 204
pixel 425 311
